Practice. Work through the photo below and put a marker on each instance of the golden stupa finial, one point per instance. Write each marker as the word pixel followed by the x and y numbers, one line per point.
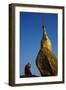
pixel 45 43
pixel 44 27
pixel 44 30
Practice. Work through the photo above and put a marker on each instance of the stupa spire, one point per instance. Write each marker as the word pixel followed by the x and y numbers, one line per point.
pixel 44 31
pixel 45 42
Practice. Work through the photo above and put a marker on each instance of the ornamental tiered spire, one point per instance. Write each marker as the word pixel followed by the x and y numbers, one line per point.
pixel 44 31
pixel 45 42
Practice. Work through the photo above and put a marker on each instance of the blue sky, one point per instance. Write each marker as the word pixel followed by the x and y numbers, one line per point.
pixel 31 35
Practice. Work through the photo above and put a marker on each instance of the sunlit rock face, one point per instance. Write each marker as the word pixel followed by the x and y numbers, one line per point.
pixel 46 60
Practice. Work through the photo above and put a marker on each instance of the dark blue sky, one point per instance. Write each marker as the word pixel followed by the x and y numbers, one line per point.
pixel 31 35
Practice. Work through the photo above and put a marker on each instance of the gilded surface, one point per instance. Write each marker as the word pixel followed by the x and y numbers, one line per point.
pixel 46 60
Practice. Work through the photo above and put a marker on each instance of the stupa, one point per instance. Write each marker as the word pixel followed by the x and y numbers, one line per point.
pixel 46 60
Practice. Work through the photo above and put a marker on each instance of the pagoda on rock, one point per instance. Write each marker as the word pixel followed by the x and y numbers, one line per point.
pixel 46 60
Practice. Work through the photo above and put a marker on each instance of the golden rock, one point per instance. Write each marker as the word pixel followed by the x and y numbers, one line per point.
pixel 46 60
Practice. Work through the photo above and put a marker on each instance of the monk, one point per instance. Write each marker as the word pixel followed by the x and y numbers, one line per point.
pixel 27 70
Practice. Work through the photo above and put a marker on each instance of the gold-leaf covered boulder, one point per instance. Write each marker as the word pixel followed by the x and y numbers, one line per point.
pixel 46 60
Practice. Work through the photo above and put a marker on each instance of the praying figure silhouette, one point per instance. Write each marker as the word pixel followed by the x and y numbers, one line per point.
pixel 27 70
